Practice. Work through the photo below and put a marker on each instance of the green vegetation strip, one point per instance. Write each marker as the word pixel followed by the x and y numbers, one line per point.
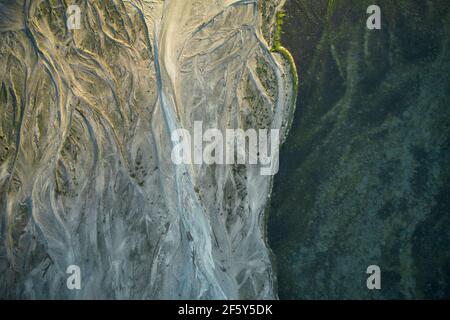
pixel 277 47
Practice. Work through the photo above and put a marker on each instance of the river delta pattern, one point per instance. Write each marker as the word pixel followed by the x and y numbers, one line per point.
pixel 86 176
pixel 85 171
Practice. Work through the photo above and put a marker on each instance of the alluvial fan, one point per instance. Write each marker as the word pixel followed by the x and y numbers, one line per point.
pixel 86 176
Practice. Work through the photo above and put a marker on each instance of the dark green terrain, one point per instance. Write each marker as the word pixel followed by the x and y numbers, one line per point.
pixel 365 174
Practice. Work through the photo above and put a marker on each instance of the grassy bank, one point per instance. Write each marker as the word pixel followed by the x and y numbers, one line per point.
pixel 278 47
